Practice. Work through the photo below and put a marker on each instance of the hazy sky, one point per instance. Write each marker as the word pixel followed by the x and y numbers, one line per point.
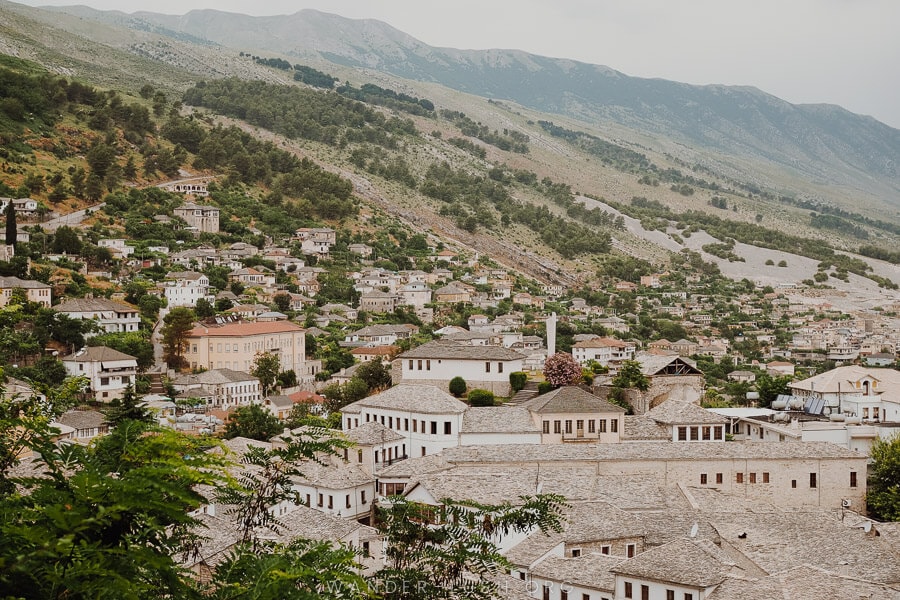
pixel 843 52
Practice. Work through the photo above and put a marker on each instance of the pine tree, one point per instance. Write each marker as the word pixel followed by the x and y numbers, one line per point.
pixel 11 231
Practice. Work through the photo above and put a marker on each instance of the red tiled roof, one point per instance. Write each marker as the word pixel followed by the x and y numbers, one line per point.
pixel 244 328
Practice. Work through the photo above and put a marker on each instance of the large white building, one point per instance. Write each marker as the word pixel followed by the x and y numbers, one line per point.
pixel 220 388
pixel 184 288
pixel 199 218
pixel 482 367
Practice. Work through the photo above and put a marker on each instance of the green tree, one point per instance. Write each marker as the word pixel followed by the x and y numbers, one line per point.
pixel 127 408
pixel 133 343
pixel 252 422
pixel 204 309
pixel 177 324
pixel 630 375
pixel 266 367
pixel 451 550
pixel 12 232
pixel 282 301
pixel 457 386
pixel 770 388
pixel 375 374
pixel 66 240
pixel 883 495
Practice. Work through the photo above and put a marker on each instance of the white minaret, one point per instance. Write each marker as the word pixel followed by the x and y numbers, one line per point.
pixel 551 335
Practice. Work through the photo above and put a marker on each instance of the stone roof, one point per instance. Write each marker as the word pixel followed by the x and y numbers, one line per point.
pixel 498 419
pixel 385 329
pixel 801 583
pixel 777 540
pixel 339 476
pixel 279 401
pixel 533 453
pixel 99 354
pixel 93 305
pixel 844 378
pixel 214 377
pixel 371 433
pixel 688 562
pixel 570 399
pixel 406 469
pixel 673 412
pixel 82 419
pixel 641 427
pixel 651 364
pixel 407 397
pixel 592 570
pixel 311 524
pixel 454 351
pixel 15 282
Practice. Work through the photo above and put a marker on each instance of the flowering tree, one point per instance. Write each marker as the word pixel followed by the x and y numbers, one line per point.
pixel 562 369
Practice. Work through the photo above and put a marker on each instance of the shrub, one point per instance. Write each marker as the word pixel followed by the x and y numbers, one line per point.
pixel 481 398
pixel 517 380
pixel 457 386
pixel 544 387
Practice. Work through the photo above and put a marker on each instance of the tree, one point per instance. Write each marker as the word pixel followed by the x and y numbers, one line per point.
pixel 204 308
pixel 11 231
pixel 252 422
pixel 451 550
pixel 338 395
pixel 177 324
pixel 770 388
pixel 133 343
pixel 457 386
pixel 282 301
pixel 266 367
pixel 517 380
pixel 127 408
pixel 480 397
pixel 883 495
pixel 631 375
pixel 375 374
pixel 562 369
pixel 66 240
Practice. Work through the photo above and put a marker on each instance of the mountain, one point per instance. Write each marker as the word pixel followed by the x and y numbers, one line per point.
pixel 741 128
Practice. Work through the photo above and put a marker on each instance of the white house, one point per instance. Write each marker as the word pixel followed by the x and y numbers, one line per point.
pixel 108 371
pixel 316 240
pixel 221 388
pixel 110 316
pixel 184 288
pixel 603 350
pixel 428 418
pixel 439 361
pixel 117 246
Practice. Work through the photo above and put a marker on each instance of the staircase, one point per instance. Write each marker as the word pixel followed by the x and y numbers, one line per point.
pixel 525 394
pixel 156 383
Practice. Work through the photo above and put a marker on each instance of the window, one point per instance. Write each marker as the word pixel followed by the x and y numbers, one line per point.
pixel 347 501
pixel 670 594
pixel 688 596
pixel 812 480
pixel 415 426
pixel 359 456
pixel 852 478
pixel 752 477
pixel 390 422
pixel 629 550
pixel 320 500
pixel 719 478
pixel 645 592
pixel 628 592
pixel 487 367
pixel 405 424
pixel 602 425
pixel 592 426
pixel 605 549
pixel 362 496
pixel 499 367
pixel 546 594
pixel 427 365
pixel 737 428
pixel 765 478
pixel 706 433
pixel 410 365
pixel 695 434
pixel 434 428
pixel 420 365
pixel 579 425
pixel 702 478
pixel 585 597
pixel 576 552
pixel 563 594
pixel 448 428
pixel 330 501
pixel 614 425
pixel 739 478
pixel 568 425
pixel 682 434
pixel 546 427
pixel 104 381
pixel 794 483
pixel 557 426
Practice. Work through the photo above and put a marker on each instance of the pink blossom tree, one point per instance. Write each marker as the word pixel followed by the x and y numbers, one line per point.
pixel 562 369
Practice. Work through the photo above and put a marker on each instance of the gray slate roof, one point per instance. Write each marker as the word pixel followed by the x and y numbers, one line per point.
pixel 802 583
pixel 673 412
pixel 371 433
pixel 688 562
pixel 214 377
pixel 82 419
pixel 93 304
pixel 570 399
pixel 452 350
pixel 100 354
pixel 407 397
pixel 498 419
pixel 592 570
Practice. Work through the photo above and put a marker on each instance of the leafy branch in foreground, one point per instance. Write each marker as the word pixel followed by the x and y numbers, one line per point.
pixel 450 550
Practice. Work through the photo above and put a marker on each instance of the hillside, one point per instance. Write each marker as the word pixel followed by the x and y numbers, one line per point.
pixel 839 155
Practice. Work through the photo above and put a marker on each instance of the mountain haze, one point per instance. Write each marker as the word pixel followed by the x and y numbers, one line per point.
pixel 822 143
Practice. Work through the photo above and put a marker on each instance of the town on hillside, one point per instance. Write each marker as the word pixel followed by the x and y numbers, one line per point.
pixel 237 377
